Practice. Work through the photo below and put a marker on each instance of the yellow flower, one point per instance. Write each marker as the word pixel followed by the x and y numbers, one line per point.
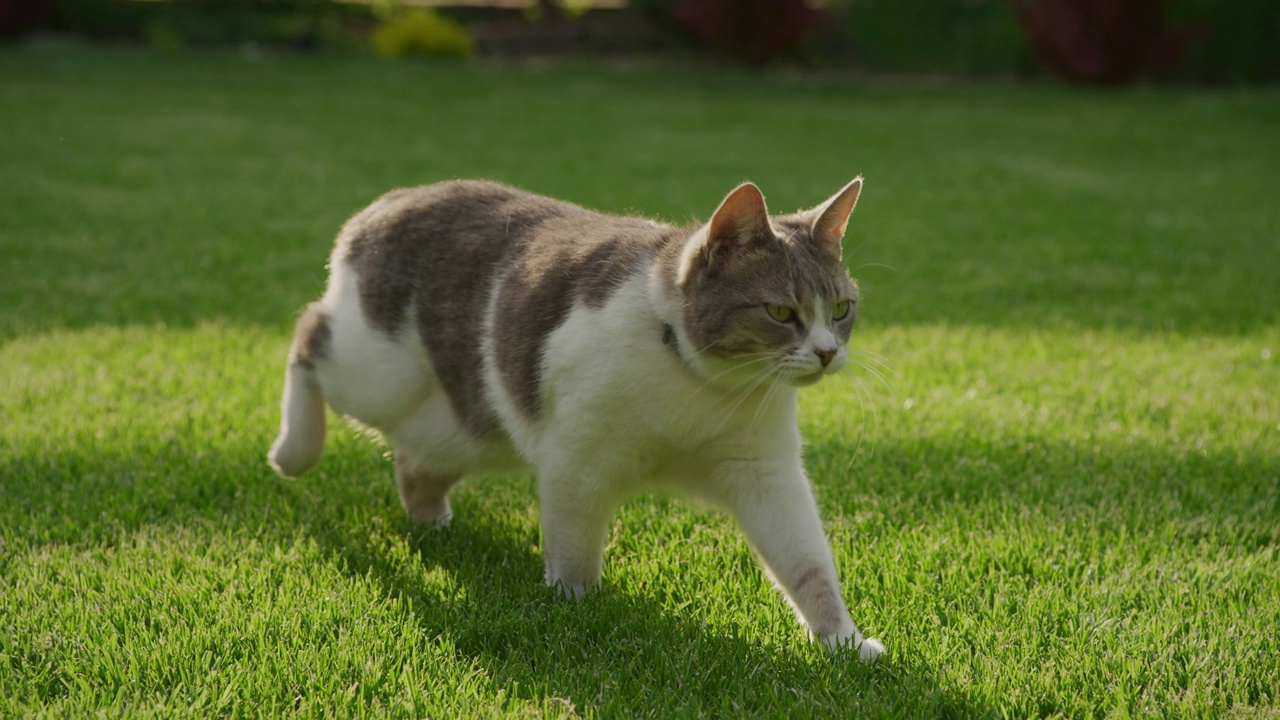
pixel 421 31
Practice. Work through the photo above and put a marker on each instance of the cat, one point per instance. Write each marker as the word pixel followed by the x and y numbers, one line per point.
pixel 481 328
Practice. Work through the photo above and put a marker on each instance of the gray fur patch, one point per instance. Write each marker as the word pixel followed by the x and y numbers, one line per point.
pixel 434 249
pixel 312 337
pixel 439 249
pixel 578 257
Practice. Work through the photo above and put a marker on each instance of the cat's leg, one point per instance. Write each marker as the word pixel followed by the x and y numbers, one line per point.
pixel 434 450
pixel 424 493
pixel 776 509
pixel 575 518
pixel 302 423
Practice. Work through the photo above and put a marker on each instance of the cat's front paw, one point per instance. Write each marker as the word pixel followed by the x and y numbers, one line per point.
pixel 569 590
pixel 432 521
pixel 869 649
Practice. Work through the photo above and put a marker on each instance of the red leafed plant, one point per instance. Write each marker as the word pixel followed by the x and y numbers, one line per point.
pixel 1104 41
pixel 753 31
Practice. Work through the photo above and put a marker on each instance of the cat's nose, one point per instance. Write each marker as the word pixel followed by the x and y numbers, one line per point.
pixel 826 356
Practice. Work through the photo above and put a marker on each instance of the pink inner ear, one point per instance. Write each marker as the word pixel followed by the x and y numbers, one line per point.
pixel 742 214
pixel 836 234
pixel 835 219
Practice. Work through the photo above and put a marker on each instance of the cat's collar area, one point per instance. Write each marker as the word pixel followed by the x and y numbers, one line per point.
pixel 671 340
pixel 669 337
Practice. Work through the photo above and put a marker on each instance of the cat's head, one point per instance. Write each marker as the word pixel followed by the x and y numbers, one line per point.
pixel 768 298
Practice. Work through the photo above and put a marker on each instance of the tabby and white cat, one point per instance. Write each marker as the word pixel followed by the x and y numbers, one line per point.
pixel 481 328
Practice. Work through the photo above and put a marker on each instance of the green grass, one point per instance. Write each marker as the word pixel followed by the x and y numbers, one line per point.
pixel 1065 500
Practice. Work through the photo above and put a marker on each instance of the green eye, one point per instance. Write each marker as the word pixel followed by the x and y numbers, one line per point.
pixel 840 311
pixel 781 313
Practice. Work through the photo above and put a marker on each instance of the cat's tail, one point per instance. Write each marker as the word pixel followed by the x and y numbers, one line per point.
pixel 302 423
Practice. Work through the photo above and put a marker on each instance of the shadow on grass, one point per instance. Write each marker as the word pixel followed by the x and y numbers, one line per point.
pixel 624 655
pixel 614 654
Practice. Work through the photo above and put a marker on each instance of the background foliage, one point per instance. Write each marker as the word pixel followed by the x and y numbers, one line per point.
pixel 956 37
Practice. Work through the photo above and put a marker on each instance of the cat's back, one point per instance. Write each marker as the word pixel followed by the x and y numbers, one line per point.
pixel 462 258
pixel 449 241
pixel 440 238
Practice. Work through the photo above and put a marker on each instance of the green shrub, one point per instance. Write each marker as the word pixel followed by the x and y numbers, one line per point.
pixel 180 23
pixel 955 36
pixel 296 23
pixel 1241 45
pixel 420 31
pixel 105 19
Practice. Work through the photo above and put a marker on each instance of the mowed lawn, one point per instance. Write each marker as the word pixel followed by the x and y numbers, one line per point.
pixel 1053 487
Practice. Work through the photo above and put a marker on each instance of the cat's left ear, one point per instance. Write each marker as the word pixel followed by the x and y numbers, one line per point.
pixel 832 216
pixel 737 226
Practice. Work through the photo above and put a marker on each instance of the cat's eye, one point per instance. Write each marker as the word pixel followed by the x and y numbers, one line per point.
pixel 841 310
pixel 781 313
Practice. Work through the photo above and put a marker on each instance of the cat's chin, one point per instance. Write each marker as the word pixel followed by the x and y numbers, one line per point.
pixel 806 380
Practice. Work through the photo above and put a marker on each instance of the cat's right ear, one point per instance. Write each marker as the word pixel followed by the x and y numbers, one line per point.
pixel 741 221
pixel 833 216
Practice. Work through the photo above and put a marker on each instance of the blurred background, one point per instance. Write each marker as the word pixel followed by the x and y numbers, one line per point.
pixel 1110 42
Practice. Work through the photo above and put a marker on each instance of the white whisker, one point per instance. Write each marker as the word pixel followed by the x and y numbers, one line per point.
pixel 748 390
pixel 879 265
pixel 864 399
pixel 874 373
pixel 877 375
pixel 748 360
pixel 879 360
pixel 768 397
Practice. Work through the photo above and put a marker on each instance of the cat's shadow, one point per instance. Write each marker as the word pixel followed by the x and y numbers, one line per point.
pixel 615 653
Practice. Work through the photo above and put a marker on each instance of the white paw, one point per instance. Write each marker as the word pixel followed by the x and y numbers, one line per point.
pixel 431 515
pixel 568 590
pixel 284 458
pixel 295 452
pixel 870 650
pixel 438 522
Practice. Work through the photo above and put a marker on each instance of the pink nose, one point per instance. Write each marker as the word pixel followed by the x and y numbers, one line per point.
pixel 826 356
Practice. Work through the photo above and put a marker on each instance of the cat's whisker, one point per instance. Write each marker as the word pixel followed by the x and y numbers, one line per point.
pixel 874 356
pixel 871 353
pixel 748 389
pixel 879 265
pixel 864 392
pixel 772 378
pixel 877 375
pixel 874 373
pixel 879 360
pixel 752 359
pixel 746 360
pixel 768 397
pixel 862 406
pixel 733 395
pixel 864 399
